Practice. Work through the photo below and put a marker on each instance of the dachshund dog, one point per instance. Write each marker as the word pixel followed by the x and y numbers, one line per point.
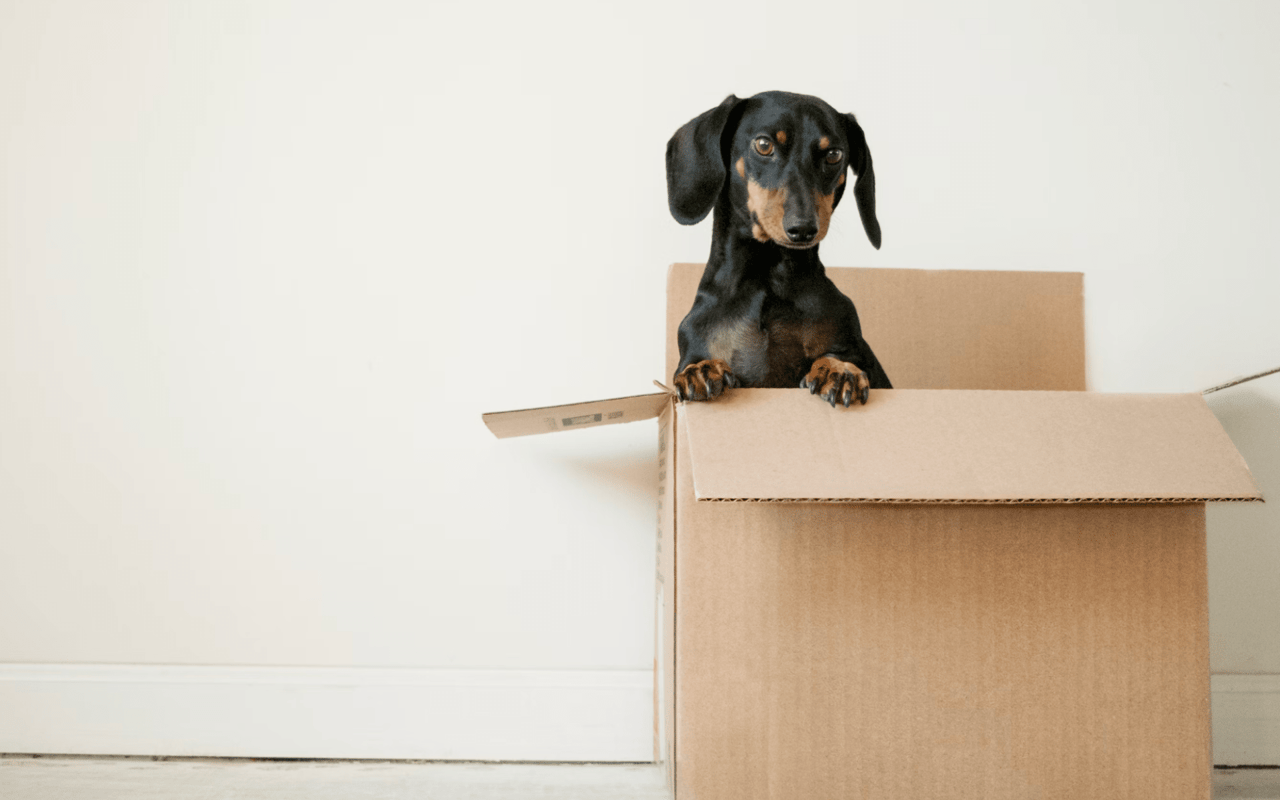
pixel 773 169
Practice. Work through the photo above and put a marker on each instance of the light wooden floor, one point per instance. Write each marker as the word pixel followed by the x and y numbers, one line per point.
pixel 77 778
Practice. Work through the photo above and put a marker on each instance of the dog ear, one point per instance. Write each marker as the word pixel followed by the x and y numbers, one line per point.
pixel 864 191
pixel 696 163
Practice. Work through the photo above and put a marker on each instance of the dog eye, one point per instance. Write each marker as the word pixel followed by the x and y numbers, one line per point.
pixel 834 156
pixel 763 146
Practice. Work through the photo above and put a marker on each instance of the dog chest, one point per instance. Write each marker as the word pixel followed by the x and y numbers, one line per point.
pixel 772 349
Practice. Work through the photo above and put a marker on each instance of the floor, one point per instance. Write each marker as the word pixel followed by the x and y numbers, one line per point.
pixel 49 778
pixel 80 778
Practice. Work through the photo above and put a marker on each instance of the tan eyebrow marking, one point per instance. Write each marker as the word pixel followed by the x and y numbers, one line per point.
pixel 742 167
pixel 824 143
pixel 781 137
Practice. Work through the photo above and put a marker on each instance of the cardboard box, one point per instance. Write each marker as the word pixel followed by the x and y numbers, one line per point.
pixel 957 590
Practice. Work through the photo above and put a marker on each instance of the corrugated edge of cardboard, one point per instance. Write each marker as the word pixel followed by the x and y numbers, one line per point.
pixel 963 447
pixel 1012 501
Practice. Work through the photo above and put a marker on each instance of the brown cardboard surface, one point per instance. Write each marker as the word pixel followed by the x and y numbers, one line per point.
pixel 573 416
pixel 963 446
pixel 665 628
pixel 949 329
pixel 940 651
pixel 902 647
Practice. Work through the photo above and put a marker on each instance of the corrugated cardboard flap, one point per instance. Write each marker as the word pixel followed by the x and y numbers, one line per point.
pixel 550 419
pixel 927 446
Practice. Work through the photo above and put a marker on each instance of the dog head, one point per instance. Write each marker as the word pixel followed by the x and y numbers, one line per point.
pixel 781 157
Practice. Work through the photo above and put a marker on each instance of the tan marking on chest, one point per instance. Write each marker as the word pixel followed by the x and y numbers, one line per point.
pixel 816 337
pixel 732 337
pixel 742 344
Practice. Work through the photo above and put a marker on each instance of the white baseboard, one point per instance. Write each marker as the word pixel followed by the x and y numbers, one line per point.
pixel 1246 720
pixel 316 712
pixel 484 715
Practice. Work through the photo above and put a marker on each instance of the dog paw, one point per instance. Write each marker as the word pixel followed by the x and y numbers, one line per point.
pixel 705 380
pixel 837 381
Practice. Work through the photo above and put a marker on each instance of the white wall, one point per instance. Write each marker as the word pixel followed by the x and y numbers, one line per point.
pixel 263 264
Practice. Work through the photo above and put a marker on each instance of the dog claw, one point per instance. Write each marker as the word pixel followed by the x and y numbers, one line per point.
pixel 704 380
pixel 837 382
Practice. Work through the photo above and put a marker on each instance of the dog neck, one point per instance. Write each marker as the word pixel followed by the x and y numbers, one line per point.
pixel 737 257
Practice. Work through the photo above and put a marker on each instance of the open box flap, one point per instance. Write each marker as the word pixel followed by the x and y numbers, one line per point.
pixel 528 421
pixel 922 446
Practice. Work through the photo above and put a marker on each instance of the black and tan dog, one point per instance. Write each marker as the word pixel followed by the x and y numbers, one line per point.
pixel 773 169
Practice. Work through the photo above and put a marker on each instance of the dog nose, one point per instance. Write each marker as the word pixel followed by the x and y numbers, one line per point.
pixel 802 233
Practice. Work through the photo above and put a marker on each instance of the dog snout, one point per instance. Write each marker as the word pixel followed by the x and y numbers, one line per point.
pixel 800 222
pixel 802 232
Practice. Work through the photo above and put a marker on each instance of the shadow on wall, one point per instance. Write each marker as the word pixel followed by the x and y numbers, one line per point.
pixel 1244 545
pixel 632 471
pixel 1251 416
pixel 610 466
